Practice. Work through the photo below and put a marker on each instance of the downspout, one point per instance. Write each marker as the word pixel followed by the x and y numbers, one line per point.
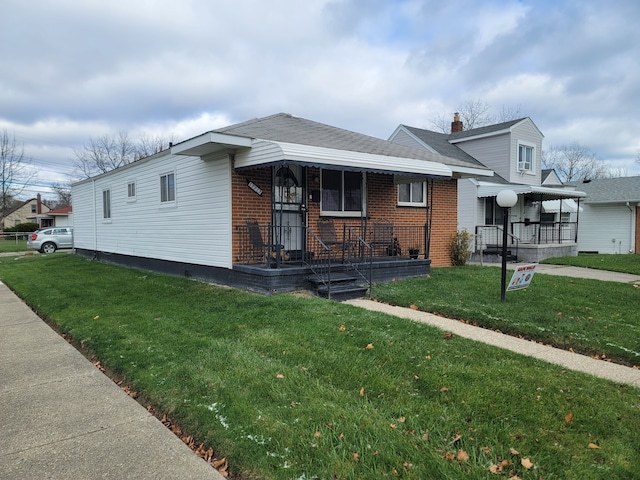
pixel 631 237
pixel 577 220
pixel 95 223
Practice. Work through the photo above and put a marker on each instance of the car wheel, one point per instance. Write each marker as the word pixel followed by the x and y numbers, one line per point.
pixel 48 247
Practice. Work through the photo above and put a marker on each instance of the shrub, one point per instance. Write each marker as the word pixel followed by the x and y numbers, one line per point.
pixel 459 248
pixel 23 227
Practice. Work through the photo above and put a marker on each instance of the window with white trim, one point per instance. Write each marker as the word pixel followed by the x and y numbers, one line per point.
pixel 168 187
pixel 131 191
pixel 341 192
pixel 106 204
pixel 412 194
pixel 526 157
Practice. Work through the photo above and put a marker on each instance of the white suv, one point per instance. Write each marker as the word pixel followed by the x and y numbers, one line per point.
pixel 48 240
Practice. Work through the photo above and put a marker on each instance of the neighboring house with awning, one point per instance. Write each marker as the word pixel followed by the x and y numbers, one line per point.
pixel 610 217
pixel 544 222
pixel 277 203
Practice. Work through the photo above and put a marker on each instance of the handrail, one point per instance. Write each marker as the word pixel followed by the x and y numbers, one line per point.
pixel 317 266
pixel 353 238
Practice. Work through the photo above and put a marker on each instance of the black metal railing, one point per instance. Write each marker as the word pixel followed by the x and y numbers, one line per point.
pixel 539 233
pixel 489 237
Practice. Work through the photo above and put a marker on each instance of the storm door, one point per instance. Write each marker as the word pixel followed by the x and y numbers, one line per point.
pixel 289 209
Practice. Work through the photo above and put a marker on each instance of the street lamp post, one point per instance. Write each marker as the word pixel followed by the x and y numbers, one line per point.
pixel 505 199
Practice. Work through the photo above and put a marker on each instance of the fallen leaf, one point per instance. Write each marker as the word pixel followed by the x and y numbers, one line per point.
pixel 341 437
pixel 369 347
pixel 279 375
pixel 96 317
pixel 342 328
pixel 449 456
pixel 393 425
pixel 448 335
pixel 444 389
pixel 405 465
pixel 513 451
pixel 219 463
pixel 402 419
pixel 355 456
pixel 413 307
pixel 486 450
pixel 456 438
pixel 362 392
pixel 568 417
pixel 462 456
pixel 526 463
pixel 515 477
pixel 317 434
pixel 495 469
pixel 593 445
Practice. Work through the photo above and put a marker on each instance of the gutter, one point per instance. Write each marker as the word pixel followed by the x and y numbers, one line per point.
pixel 631 237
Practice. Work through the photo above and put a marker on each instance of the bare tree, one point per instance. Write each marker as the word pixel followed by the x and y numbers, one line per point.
pixel 574 163
pixel 148 145
pixel 475 113
pixel 15 171
pixel 109 152
pixel 63 196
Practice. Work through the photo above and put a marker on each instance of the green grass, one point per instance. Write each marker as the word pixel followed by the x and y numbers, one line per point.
pixel 279 388
pixel 615 263
pixel 589 316
pixel 11 245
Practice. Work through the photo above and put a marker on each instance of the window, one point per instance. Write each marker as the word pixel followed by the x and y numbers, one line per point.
pixel 341 192
pixel 168 187
pixel 106 204
pixel 412 194
pixel 33 208
pixel 493 213
pixel 526 155
pixel 131 190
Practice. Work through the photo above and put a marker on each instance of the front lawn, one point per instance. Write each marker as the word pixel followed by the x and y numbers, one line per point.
pixel 296 387
pixel 628 263
pixel 588 316
pixel 12 245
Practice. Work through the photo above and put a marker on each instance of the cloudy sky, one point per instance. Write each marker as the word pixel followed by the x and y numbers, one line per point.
pixel 71 70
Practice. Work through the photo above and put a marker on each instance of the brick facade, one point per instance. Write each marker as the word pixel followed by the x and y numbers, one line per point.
pixel 381 205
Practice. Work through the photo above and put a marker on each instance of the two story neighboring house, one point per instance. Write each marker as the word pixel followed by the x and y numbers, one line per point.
pixel 28 211
pixel 544 222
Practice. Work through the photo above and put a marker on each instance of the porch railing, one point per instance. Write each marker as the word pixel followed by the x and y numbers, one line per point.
pixel 538 233
pixel 489 237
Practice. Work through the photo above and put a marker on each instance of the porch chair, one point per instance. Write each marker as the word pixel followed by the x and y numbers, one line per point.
pixel 265 252
pixel 327 232
pixel 383 239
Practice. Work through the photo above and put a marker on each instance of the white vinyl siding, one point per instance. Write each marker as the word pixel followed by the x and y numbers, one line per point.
pixel 605 229
pixel 197 229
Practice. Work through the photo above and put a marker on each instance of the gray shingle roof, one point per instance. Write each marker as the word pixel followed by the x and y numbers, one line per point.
pixel 283 127
pixel 612 190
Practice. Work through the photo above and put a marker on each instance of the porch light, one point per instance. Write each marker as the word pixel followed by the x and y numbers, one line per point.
pixel 505 199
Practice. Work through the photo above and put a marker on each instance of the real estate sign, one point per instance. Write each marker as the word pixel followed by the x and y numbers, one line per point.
pixel 522 277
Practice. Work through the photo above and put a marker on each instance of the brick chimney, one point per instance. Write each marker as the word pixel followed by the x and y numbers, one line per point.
pixel 456 125
pixel 39 204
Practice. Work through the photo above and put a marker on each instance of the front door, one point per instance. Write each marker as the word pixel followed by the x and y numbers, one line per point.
pixel 289 208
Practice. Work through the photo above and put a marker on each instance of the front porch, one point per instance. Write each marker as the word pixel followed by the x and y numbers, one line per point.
pixel 526 241
pixel 335 259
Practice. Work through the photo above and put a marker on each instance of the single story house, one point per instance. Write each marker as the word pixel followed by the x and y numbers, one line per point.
pixel 610 216
pixel 275 204
pixel 544 222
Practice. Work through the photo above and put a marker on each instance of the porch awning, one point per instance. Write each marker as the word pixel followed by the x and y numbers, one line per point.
pixel 265 153
pixel 553 206
pixel 487 189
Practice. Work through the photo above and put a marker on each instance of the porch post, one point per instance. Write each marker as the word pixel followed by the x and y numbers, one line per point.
pixel 577 220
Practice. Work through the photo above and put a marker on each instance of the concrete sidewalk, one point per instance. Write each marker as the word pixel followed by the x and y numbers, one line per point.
pixel 576 272
pixel 62 418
